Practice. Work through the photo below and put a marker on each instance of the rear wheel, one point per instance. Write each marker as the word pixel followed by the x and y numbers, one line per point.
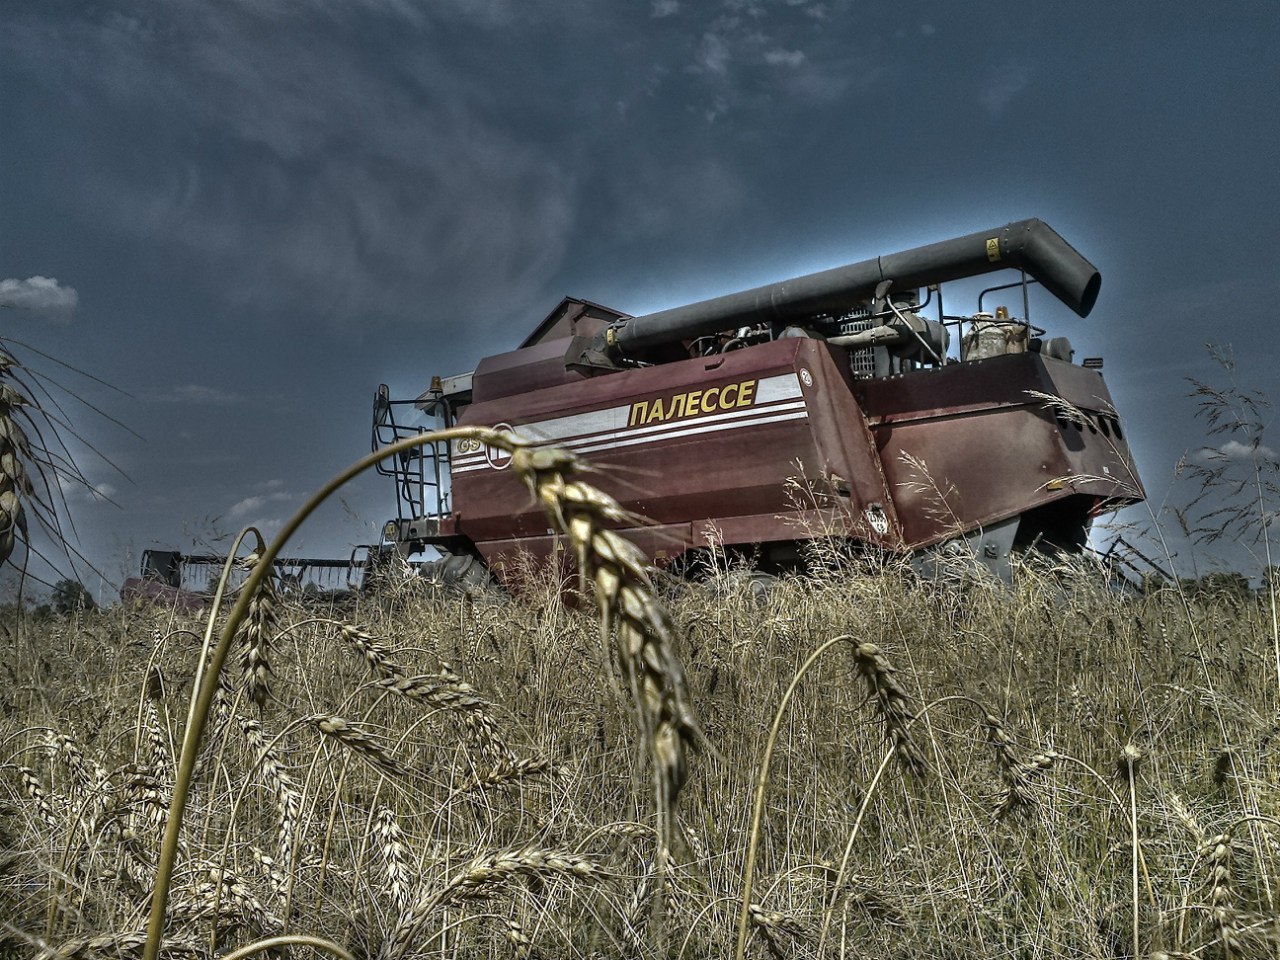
pixel 463 573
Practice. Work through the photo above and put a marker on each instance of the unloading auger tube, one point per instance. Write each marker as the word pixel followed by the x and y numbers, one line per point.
pixel 1030 245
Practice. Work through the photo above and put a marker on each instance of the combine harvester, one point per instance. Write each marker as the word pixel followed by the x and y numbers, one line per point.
pixel 825 406
pixel 188 580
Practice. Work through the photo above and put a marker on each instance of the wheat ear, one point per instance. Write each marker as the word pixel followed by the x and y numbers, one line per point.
pixel 15 485
pixel 1018 775
pixel 355 738
pixel 620 574
pixel 479 878
pixel 772 926
pixel 893 703
pixel 288 799
pixel 1217 854
pixel 445 690
pixel 396 875
pixel 509 772
pixel 259 627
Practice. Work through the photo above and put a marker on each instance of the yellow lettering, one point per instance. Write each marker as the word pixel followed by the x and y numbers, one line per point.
pixel 692 403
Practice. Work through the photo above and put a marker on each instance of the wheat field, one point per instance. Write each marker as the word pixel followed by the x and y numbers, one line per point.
pixel 858 763
pixel 971 770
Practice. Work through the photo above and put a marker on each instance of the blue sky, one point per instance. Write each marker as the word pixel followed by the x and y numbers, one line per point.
pixel 248 214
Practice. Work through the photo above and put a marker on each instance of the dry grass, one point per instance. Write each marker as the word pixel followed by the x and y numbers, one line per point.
pixel 366 811
pixel 379 805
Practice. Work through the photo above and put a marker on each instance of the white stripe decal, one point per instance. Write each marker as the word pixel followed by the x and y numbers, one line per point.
pixel 693 430
pixel 656 432
pixel 609 428
pixel 688 428
pixel 658 428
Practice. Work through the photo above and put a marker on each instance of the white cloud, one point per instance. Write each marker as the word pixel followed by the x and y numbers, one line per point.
pixel 784 58
pixel 664 8
pixel 713 54
pixel 251 504
pixel 749 55
pixel 1236 450
pixel 1001 90
pixel 102 491
pixel 76 492
pixel 41 295
pixel 241 507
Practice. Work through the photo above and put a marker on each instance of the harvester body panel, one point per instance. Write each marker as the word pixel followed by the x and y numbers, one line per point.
pixel 703 451
pixel 977 443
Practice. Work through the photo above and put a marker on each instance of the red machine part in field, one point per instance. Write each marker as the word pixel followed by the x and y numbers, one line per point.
pixel 821 407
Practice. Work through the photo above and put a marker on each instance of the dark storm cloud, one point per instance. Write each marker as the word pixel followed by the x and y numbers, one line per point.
pixel 294 169
pixel 312 172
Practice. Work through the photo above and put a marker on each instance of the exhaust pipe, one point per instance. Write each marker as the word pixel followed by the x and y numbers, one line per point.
pixel 1030 245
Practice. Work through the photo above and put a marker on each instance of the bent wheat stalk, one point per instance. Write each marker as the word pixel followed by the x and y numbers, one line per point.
pixel 624 592
pixel 620 574
pixel 894 706
pixel 478 879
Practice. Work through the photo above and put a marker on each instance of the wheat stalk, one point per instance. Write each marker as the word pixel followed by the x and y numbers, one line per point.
pixel 15 485
pixel 892 702
pixel 620 575
pixel 260 625
pixel 360 741
pixel 1127 766
pixel 772 926
pixel 480 878
pixel 397 877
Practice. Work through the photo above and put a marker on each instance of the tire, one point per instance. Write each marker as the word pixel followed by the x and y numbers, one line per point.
pixel 461 573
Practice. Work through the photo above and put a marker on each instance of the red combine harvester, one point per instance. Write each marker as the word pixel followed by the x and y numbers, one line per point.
pixel 824 406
